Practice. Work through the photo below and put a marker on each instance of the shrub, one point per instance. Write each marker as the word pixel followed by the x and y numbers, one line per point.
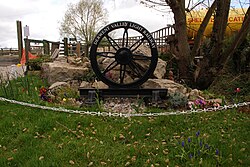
pixel 178 100
pixel 35 64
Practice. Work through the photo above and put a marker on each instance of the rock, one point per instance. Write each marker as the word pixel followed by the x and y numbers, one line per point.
pixel 143 49
pixel 99 85
pixel 12 72
pixel 86 64
pixel 159 73
pixel 70 59
pixel 74 84
pixel 73 60
pixel 85 59
pixel 61 59
pixel 215 100
pixel 165 83
pixel 160 70
pixel 85 84
pixel 58 85
pixel 62 71
pixel 55 89
pixel 195 94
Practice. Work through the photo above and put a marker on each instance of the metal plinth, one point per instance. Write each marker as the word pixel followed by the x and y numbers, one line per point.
pixel 91 94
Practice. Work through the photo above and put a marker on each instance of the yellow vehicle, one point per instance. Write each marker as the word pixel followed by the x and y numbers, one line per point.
pixel 195 18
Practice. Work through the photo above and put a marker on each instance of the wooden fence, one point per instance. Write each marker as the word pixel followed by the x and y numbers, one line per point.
pixel 70 47
pixel 8 51
pixel 41 47
pixel 160 37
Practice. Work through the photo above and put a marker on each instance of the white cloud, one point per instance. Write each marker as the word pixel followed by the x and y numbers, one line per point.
pixel 43 17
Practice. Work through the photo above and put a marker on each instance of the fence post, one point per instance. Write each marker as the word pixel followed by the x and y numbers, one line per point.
pixel 27 49
pixel 46 47
pixel 78 49
pixel 19 38
pixel 66 48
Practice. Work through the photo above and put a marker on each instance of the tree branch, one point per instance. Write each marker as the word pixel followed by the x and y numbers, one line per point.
pixel 241 35
pixel 198 38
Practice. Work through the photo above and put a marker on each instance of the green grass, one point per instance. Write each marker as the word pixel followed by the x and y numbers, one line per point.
pixel 34 137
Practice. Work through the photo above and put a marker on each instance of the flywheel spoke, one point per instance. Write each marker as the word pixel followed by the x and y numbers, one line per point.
pixel 137 44
pixel 122 73
pixel 110 67
pixel 112 42
pixel 125 38
pixel 140 57
pixel 106 54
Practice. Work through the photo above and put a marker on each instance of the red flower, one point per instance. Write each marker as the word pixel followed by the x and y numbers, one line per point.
pixel 43 90
pixel 237 90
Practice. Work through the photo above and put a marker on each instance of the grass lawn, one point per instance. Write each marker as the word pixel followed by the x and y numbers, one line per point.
pixel 34 137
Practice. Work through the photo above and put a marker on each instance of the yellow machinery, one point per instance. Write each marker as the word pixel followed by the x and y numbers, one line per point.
pixel 194 19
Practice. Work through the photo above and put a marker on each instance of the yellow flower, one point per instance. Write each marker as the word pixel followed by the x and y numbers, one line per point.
pixel 64 99
pixel 19 65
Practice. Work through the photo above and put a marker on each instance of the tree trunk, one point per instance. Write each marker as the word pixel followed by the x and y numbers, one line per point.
pixel 183 50
pixel 208 66
pixel 219 28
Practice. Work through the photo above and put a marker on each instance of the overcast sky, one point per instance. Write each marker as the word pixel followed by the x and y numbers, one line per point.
pixel 43 17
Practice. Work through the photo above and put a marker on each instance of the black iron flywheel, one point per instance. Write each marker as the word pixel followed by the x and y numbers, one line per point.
pixel 123 55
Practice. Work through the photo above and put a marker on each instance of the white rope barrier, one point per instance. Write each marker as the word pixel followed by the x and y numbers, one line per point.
pixel 112 114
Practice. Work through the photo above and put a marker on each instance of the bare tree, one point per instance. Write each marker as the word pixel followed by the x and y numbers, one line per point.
pixel 204 73
pixel 82 21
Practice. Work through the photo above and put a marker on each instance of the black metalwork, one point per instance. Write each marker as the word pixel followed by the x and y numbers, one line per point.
pixel 127 62
pixel 123 55
pixel 154 94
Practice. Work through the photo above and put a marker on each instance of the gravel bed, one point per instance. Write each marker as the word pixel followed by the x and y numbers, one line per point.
pixel 124 105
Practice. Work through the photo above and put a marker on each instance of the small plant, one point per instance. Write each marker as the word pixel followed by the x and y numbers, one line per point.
pixel 201 103
pixel 195 150
pixel 99 103
pixel 177 100
pixel 139 105
pixel 22 87
pixel 237 92
pixel 11 84
pixel 35 64
pixel 43 92
pixel 197 104
pixel 89 77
